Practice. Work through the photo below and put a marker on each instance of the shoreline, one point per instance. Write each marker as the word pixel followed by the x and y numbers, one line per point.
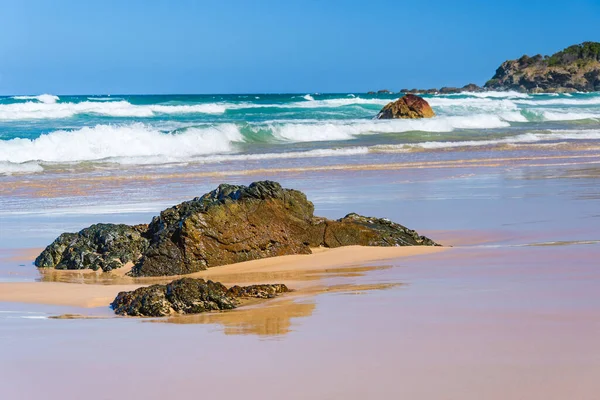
pixel 49 185
pixel 297 271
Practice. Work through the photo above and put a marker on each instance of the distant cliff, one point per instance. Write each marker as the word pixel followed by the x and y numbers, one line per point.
pixel 574 69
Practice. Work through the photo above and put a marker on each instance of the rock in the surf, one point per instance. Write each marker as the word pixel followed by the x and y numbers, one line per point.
pixel 228 225
pixel 188 296
pixel 408 106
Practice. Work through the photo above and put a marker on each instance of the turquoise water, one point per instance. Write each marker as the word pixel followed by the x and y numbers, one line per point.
pixel 47 132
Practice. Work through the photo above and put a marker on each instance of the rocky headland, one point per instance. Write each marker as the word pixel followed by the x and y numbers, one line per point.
pixel 574 69
pixel 227 225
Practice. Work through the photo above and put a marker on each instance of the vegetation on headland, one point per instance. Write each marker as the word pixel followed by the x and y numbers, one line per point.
pixel 576 68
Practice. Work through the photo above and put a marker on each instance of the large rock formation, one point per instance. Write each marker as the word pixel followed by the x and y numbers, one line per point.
pixel 408 106
pixel 188 296
pixel 230 224
pixel 576 68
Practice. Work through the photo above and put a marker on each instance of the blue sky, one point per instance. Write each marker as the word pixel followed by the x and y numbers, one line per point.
pixel 244 46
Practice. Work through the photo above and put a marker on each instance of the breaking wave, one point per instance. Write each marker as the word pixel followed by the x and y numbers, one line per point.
pixel 109 141
pixel 45 110
pixel 493 94
pixel 345 130
pixel 505 105
pixel 139 143
pixel 42 98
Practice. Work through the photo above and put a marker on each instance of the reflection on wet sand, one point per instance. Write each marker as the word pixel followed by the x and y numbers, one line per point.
pixel 111 278
pixel 258 317
pixel 267 319
pixel 273 317
pixel 564 243
pixel 326 271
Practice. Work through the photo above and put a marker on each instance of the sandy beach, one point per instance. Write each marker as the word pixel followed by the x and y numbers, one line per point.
pixel 299 200
pixel 510 305
pixel 68 288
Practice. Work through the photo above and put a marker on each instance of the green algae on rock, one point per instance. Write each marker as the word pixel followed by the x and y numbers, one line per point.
pixel 188 296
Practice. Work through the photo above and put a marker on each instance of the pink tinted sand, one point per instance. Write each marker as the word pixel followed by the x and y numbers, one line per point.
pixel 469 324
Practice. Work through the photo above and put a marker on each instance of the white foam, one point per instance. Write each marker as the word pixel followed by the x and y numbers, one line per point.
pixel 328 103
pixel 337 103
pixel 308 97
pixel 42 98
pixel 209 159
pixel 470 105
pixel 574 134
pixel 572 101
pixel 511 109
pixel 108 141
pixel 347 151
pixel 523 138
pixel 568 116
pixel 104 98
pixel 139 145
pixel 336 130
pixel 513 116
pixel 35 110
pixel 209 108
pixel 9 168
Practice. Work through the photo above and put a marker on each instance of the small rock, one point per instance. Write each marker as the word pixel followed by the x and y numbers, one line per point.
pixel 101 246
pixel 188 296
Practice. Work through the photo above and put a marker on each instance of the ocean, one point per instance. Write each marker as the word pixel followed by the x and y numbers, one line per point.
pixel 76 134
pixel 507 182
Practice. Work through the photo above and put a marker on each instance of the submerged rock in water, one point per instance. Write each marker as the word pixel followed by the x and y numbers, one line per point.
pixel 101 246
pixel 188 296
pixel 228 225
pixel 408 106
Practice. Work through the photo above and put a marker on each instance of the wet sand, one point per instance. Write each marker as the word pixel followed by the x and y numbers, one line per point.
pixel 78 186
pixel 487 323
pixel 292 270
pixel 511 312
